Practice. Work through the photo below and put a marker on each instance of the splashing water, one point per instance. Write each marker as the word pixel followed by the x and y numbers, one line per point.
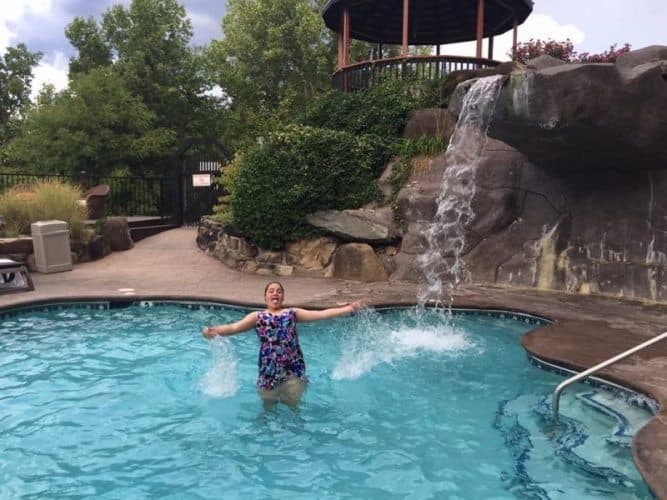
pixel 222 379
pixel 443 262
pixel 378 339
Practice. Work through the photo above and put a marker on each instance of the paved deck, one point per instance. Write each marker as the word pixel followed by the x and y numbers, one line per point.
pixel 587 330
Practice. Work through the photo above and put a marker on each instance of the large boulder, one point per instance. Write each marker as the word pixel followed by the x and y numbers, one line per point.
pixel 576 117
pixel 374 226
pixel 358 261
pixel 311 255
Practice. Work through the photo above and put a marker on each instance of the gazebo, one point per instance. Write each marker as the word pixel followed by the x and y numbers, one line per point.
pixel 418 22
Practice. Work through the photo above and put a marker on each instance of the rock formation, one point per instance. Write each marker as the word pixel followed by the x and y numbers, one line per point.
pixel 571 187
pixel 569 191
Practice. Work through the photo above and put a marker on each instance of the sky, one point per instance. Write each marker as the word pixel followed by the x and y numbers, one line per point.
pixel 592 25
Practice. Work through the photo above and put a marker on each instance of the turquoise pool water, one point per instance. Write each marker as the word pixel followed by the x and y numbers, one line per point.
pixel 134 403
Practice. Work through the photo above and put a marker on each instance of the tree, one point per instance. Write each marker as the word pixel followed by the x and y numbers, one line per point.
pixel 275 55
pixel 95 126
pixel 93 49
pixel 147 46
pixel 15 85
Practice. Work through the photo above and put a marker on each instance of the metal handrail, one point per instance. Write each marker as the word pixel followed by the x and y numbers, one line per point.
pixel 598 367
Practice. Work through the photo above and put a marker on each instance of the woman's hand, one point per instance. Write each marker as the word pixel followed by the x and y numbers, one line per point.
pixel 209 332
pixel 356 304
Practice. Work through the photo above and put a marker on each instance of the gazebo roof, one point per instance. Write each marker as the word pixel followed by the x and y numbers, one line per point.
pixel 431 22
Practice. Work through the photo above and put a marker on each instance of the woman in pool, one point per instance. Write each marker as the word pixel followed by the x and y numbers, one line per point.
pixel 282 370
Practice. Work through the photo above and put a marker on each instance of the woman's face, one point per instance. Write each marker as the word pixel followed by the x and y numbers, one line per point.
pixel 274 296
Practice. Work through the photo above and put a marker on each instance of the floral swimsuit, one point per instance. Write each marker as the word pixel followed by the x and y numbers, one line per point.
pixel 280 354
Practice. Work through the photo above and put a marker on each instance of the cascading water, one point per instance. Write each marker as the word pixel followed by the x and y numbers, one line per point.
pixel 442 262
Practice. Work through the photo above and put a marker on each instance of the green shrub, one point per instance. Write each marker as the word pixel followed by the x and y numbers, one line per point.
pixel 222 212
pixel 297 171
pixel 45 200
pixel 381 110
pixel 421 146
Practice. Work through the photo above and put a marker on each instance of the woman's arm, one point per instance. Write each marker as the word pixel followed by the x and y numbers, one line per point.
pixel 242 325
pixel 307 315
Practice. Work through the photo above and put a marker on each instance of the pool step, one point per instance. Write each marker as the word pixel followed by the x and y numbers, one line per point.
pixel 595 443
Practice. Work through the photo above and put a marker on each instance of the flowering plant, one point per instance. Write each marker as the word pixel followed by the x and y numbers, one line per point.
pixel 564 51
pixel 607 56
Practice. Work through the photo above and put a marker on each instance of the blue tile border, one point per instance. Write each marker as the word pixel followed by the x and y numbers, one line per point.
pixel 186 304
pixel 493 313
pixel 633 397
pixel 115 304
pixel 55 306
pixel 214 306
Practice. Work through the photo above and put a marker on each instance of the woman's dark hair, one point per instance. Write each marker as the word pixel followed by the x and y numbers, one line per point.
pixel 274 283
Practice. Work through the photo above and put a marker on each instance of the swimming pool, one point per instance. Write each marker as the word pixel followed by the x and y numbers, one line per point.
pixel 132 402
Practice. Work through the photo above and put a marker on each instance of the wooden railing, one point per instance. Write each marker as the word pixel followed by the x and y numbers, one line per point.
pixel 363 75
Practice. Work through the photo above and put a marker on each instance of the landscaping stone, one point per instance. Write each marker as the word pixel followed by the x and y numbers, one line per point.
pixel 431 122
pixel 283 270
pixel 357 261
pixel 311 255
pixel 117 232
pixel 367 225
pixel 98 247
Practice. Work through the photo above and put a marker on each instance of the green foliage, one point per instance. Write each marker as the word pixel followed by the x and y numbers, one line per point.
pixel 137 91
pixel 46 200
pixel 297 171
pixel 222 212
pixel 273 57
pixel 150 41
pixel 400 174
pixel 421 146
pixel 147 46
pixel 96 126
pixel 88 39
pixel 15 83
pixel 382 110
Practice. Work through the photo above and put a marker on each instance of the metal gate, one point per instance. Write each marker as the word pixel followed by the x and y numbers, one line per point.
pixel 199 163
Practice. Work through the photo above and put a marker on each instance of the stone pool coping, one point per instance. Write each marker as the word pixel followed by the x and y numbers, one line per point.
pixel 586 329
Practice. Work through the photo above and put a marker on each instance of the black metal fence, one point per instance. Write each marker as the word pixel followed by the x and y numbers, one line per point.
pixel 128 196
pixel 364 75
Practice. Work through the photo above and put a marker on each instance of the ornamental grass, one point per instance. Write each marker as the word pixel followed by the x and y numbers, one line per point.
pixel 44 200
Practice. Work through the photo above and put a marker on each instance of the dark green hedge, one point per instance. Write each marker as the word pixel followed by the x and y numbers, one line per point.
pixel 300 170
pixel 381 110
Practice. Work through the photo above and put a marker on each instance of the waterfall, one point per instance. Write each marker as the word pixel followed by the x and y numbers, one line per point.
pixel 442 263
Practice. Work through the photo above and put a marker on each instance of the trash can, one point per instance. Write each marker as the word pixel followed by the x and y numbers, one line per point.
pixel 50 241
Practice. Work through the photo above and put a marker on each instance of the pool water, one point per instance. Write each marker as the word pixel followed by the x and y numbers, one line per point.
pixel 133 403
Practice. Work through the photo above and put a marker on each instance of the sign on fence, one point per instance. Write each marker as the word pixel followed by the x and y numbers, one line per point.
pixel 201 180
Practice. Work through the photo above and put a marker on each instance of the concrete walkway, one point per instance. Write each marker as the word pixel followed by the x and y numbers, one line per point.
pixel 587 330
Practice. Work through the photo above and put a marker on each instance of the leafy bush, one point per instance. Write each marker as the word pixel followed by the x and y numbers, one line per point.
pixel 381 110
pixel 297 171
pixel 45 200
pixel 564 51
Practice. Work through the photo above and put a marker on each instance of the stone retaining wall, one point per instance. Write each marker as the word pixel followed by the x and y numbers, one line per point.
pixel 323 257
